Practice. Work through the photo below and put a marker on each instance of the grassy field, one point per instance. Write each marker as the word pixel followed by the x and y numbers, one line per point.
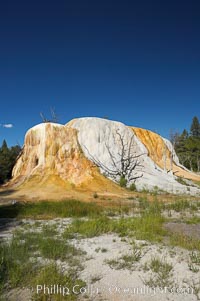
pixel 50 209
pixel 43 253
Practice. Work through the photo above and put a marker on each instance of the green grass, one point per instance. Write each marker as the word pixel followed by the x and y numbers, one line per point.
pixel 20 259
pixel 162 273
pixel 52 248
pixel 74 208
pixel 155 206
pixel 19 263
pixel 90 228
pixel 185 242
pixel 193 220
pixel 50 275
pixel 159 266
pixel 49 230
pixel 126 261
pixel 16 267
pixel 45 244
pixel 194 261
pixel 49 209
pixel 182 205
pixel 195 257
pixel 148 226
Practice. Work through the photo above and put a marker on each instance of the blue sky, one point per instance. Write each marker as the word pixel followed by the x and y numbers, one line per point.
pixel 137 62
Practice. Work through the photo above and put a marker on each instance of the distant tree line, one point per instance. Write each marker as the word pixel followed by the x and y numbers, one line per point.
pixel 8 156
pixel 187 146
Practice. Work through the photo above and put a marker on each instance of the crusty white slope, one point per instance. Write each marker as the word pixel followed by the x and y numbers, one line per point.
pixel 96 135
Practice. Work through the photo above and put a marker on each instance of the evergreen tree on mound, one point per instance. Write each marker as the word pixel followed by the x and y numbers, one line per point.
pixel 8 158
pixel 187 146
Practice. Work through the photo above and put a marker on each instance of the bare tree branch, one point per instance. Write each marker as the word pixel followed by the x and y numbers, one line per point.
pixel 126 164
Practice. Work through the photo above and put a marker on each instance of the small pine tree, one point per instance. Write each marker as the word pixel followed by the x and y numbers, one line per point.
pixel 4 147
pixel 195 127
pixel 184 135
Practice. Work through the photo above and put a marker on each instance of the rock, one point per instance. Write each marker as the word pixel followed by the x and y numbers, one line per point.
pixel 73 151
pixel 53 149
pixel 94 134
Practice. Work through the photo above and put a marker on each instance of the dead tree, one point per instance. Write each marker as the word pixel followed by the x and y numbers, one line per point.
pixel 173 136
pixel 198 163
pixel 126 163
pixel 165 157
pixel 53 118
pixel 44 119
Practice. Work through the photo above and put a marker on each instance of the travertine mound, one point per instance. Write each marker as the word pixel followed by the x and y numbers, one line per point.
pixel 57 155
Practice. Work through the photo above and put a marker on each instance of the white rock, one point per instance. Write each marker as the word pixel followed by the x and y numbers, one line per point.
pixel 96 134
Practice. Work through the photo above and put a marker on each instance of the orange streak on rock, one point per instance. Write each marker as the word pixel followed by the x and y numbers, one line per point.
pixel 156 149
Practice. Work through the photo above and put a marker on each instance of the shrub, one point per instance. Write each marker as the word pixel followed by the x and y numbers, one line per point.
pixel 133 187
pixel 122 181
pixel 95 195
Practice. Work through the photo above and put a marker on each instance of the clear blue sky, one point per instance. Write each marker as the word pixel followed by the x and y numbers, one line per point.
pixel 134 61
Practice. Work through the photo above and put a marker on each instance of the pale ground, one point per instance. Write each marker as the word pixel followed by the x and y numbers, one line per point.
pixel 110 284
pixel 126 284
